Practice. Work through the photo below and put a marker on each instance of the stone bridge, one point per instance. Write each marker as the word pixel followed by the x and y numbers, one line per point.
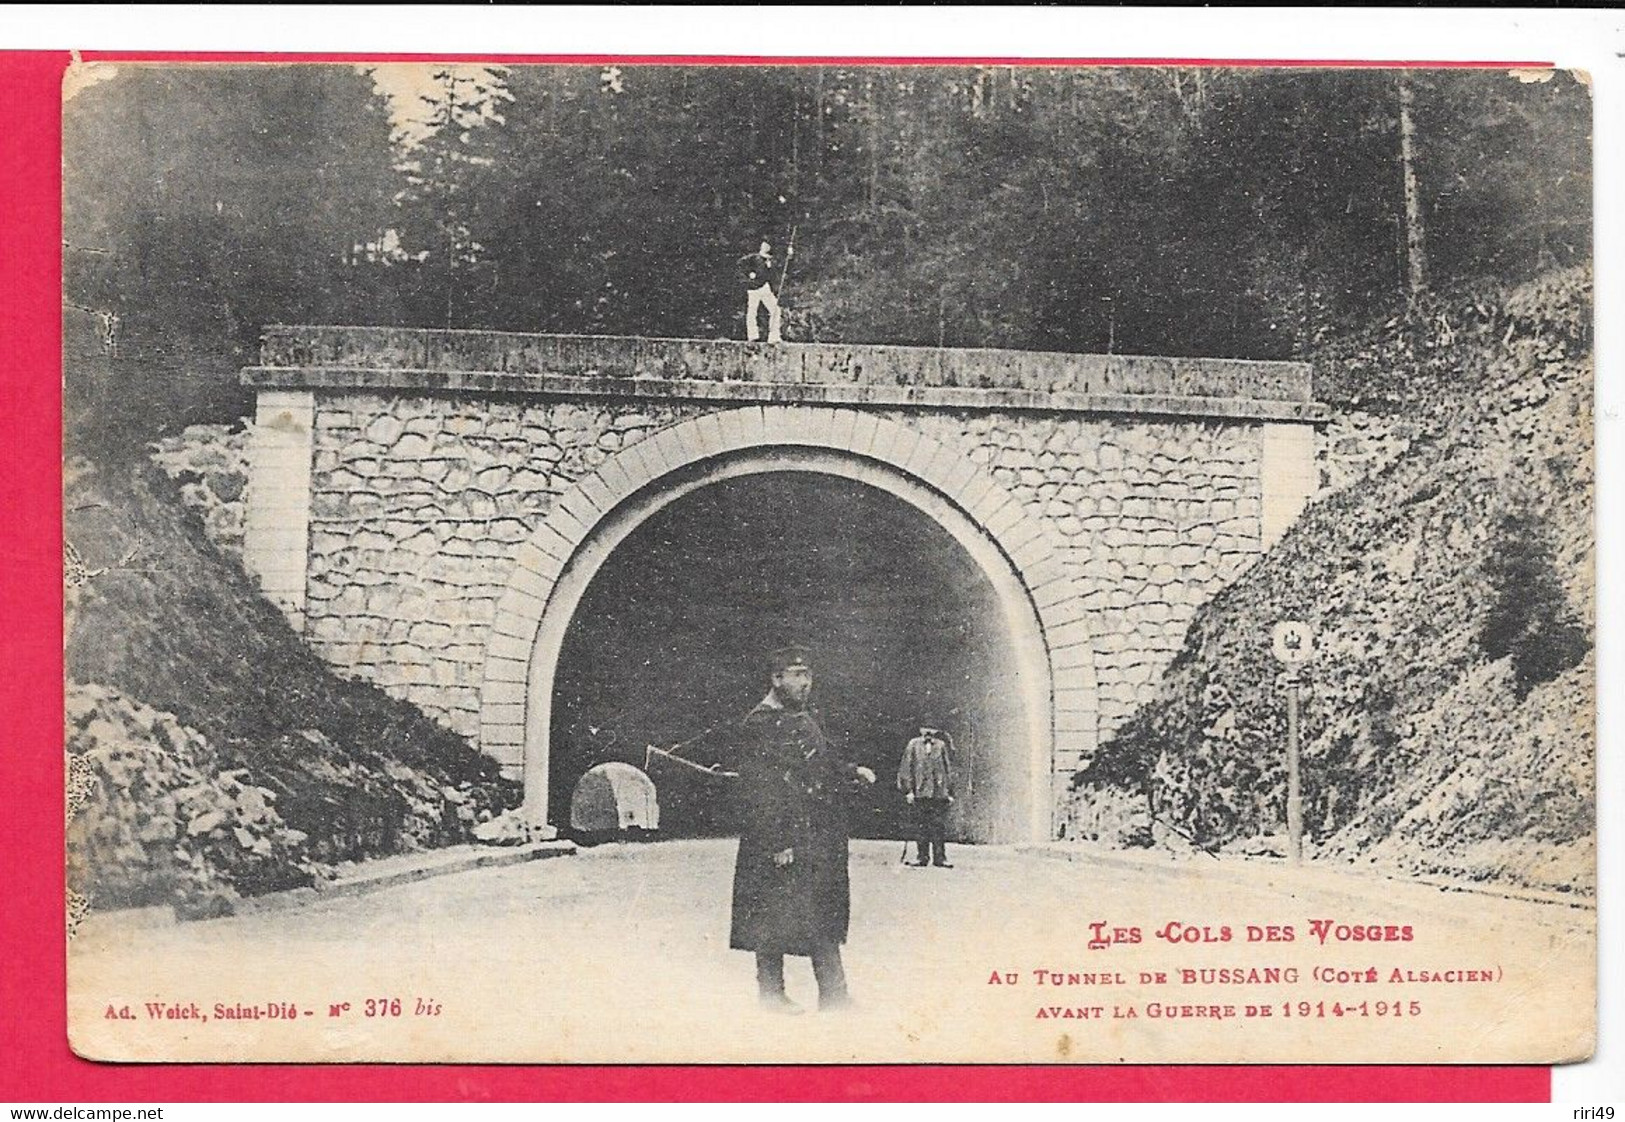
pixel 430 508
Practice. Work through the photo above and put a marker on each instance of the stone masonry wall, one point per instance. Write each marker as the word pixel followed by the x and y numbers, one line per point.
pixel 419 503
pixel 1157 517
pixel 417 507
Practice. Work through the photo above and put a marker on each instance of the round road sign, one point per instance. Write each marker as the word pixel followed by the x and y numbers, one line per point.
pixel 1293 642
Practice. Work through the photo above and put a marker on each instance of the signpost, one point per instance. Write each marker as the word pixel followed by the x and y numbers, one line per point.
pixel 1293 644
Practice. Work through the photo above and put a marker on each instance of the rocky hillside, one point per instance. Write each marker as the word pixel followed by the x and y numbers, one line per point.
pixel 1449 727
pixel 211 754
pixel 210 464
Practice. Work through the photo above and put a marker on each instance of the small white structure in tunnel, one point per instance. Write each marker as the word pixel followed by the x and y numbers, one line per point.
pixel 612 797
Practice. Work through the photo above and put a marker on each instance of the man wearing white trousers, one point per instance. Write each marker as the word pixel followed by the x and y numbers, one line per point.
pixel 756 275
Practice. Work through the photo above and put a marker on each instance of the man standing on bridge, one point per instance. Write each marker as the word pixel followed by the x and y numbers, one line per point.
pixel 756 275
pixel 791 892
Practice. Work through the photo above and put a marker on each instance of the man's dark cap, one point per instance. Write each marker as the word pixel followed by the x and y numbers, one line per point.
pixel 790 657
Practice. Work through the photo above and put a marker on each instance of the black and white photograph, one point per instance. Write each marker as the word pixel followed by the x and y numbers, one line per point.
pixel 667 562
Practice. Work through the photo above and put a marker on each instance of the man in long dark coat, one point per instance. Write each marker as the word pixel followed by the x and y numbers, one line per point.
pixel 791 894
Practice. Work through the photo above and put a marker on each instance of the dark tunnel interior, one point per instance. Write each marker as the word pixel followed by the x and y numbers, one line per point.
pixel 904 629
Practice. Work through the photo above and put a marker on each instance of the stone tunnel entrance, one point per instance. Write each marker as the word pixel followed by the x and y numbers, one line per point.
pixel 905 628
pixel 431 508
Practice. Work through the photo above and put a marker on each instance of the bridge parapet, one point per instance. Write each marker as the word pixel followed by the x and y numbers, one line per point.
pixel 387 358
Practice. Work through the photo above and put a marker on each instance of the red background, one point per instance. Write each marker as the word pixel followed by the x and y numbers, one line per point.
pixel 38 1066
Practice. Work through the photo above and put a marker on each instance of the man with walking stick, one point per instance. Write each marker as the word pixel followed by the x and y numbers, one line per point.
pixel 791 891
pixel 762 288
pixel 926 778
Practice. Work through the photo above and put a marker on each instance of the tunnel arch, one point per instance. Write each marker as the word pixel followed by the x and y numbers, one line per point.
pixel 1014 550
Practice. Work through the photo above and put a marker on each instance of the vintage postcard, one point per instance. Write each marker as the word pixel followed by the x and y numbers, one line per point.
pixel 829 563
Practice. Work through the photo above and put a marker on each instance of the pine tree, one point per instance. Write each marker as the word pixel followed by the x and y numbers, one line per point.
pixel 451 158
pixel 203 202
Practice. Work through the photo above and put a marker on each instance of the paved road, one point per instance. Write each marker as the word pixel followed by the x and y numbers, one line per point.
pixel 619 954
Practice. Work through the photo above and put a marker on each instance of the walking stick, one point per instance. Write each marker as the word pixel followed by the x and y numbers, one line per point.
pixel 789 252
pixel 650 751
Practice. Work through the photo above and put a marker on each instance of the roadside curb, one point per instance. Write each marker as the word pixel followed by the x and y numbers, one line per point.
pixel 357 880
pixel 389 872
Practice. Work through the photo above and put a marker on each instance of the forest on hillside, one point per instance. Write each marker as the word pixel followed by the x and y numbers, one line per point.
pixel 1449 715
pixel 1229 212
